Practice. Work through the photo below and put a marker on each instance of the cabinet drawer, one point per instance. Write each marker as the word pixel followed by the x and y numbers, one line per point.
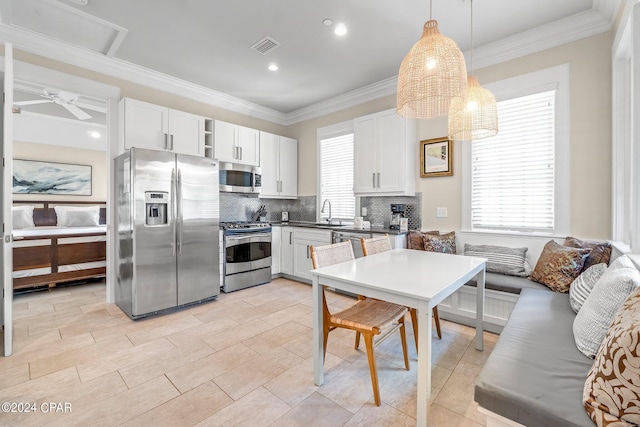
pixel 311 234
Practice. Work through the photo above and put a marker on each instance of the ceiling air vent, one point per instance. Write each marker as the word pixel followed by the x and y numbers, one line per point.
pixel 266 45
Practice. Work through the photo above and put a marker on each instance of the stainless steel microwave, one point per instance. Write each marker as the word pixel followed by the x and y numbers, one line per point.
pixel 236 178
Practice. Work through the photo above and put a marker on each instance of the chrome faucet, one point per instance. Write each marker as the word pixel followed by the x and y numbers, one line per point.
pixel 322 209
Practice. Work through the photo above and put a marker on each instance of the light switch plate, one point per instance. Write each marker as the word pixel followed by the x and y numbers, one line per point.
pixel 441 212
pixel 363 211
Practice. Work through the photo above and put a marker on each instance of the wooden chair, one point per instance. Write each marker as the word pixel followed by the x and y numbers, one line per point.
pixel 368 317
pixel 379 244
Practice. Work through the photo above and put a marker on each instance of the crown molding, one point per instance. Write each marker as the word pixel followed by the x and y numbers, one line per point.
pixel 553 34
pixel 36 44
pixel 355 97
pixel 589 23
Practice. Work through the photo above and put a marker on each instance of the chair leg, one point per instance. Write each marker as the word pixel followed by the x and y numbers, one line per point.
pixel 437 320
pixel 357 344
pixel 325 333
pixel 414 321
pixel 368 340
pixel 403 337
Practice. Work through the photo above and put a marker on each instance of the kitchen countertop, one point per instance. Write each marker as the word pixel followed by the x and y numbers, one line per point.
pixel 336 227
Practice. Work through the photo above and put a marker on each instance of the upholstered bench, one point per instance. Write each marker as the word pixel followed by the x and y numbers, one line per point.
pixel 536 374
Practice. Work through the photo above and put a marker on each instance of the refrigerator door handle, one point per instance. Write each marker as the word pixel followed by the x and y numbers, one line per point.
pixel 173 197
pixel 179 210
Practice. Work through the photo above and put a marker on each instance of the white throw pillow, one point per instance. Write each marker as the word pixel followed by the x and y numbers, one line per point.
pixel 22 216
pixel 584 283
pixel 77 216
pixel 606 297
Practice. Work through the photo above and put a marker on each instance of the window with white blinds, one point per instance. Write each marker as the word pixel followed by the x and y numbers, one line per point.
pixel 513 173
pixel 336 176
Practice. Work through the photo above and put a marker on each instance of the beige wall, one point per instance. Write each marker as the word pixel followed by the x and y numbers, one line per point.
pixel 590 73
pixel 590 64
pixel 54 153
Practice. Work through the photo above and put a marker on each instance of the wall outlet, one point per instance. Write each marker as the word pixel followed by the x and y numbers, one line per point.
pixel 363 211
pixel 441 212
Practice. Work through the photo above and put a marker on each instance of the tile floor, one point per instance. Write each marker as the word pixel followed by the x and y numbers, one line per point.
pixel 245 359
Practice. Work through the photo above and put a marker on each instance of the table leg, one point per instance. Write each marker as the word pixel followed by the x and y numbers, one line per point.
pixel 318 338
pixel 480 310
pixel 425 320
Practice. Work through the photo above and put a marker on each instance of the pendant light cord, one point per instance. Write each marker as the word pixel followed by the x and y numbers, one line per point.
pixel 471 37
pixel 430 10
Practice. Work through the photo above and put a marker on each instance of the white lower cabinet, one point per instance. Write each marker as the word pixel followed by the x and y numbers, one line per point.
pixel 303 239
pixel 286 250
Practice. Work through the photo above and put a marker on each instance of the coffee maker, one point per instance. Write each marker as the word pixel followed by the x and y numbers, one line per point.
pixel 397 213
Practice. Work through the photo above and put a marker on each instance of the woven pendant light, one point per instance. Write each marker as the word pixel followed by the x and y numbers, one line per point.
pixel 477 117
pixel 431 75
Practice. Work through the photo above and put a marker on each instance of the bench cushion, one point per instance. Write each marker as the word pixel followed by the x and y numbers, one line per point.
pixel 535 374
pixel 510 284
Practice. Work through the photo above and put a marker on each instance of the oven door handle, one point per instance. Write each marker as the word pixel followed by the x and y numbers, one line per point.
pixel 253 238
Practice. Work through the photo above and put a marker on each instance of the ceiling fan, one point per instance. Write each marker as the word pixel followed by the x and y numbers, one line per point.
pixel 62 98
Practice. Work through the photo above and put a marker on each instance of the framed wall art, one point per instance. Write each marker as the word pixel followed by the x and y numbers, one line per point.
pixel 35 177
pixel 436 157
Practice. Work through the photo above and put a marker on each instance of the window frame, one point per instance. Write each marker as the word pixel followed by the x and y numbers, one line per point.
pixel 557 78
pixel 326 132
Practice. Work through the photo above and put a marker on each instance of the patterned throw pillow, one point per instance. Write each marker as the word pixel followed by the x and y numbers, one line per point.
pixel 611 393
pixel 581 287
pixel 415 239
pixel 558 266
pixel 500 259
pixel 445 243
pixel 593 320
pixel 600 251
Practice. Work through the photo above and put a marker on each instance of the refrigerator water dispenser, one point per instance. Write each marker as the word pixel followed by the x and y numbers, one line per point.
pixel 156 203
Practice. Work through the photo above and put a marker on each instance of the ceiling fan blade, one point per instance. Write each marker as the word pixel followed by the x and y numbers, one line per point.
pixel 40 101
pixel 67 96
pixel 81 115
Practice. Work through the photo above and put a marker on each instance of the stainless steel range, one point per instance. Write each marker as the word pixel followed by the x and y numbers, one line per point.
pixel 247 254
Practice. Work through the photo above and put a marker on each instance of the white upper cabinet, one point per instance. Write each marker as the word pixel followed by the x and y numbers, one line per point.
pixel 236 144
pixel 385 155
pixel 279 165
pixel 156 127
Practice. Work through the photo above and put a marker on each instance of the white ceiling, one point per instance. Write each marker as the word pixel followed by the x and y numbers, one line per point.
pixel 207 42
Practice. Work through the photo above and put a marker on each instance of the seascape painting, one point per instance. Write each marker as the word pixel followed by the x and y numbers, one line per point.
pixel 34 177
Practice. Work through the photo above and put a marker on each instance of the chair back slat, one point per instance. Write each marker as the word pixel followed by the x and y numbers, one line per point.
pixel 375 245
pixel 323 256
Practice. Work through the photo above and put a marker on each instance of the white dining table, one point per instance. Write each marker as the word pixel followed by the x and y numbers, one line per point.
pixel 412 278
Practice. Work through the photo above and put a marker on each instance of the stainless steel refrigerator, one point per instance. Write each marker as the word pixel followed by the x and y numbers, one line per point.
pixel 167 221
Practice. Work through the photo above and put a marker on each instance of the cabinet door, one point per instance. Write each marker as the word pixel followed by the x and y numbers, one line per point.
pixel 186 133
pixel 286 251
pixel 145 125
pixel 269 164
pixel 365 180
pixel 390 152
pixel 302 259
pixel 249 144
pixel 288 159
pixel 224 141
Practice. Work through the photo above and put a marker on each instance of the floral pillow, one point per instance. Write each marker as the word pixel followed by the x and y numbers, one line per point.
pixel 445 243
pixel 611 393
pixel 600 251
pixel 415 239
pixel 558 266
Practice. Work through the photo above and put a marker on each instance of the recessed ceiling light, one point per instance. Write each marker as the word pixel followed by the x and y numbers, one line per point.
pixel 327 22
pixel 341 29
pixel 273 67
pixel 94 134
pixel 80 2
